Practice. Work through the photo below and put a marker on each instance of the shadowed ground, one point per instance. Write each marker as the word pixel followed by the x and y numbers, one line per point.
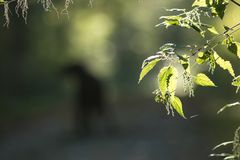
pixel 144 133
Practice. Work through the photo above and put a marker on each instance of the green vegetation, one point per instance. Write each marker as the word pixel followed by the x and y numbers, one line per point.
pixel 192 55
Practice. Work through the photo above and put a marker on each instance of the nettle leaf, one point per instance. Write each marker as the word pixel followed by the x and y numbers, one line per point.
pixel 217 7
pixel 199 3
pixel 202 58
pixel 162 79
pixel 212 61
pixel 167 78
pixel 220 7
pixel 172 83
pixel 207 56
pixel 177 105
pixel 226 65
pixel 190 19
pixel 234 47
pixel 147 67
pixel 212 30
pixel 236 82
pixel 170 21
pixel 203 80
pixel 168 48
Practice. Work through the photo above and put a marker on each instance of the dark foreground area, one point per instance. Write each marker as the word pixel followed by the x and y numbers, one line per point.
pixel 141 131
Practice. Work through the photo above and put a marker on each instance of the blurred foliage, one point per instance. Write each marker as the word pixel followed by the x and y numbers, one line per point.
pixel 110 39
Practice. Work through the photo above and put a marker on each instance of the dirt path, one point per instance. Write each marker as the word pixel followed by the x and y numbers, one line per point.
pixel 144 133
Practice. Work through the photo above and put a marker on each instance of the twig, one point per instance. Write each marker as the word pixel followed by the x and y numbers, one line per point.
pixel 214 38
pixel 235 2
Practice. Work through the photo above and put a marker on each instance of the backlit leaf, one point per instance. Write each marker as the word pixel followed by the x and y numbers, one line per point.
pixel 177 105
pixel 212 30
pixel 168 80
pixel 172 82
pixel 199 3
pixel 236 82
pixel 162 79
pixel 220 7
pixel 235 48
pixel 170 21
pixel 148 67
pixel 203 57
pixel 202 80
pixel 226 65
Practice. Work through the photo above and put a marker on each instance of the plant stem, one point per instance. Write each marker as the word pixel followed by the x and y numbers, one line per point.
pixel 235 2
pixel 233 29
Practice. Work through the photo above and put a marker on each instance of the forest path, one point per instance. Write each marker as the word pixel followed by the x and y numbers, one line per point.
pixel 144 133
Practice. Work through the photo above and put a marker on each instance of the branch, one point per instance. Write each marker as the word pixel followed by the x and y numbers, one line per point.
pixel 233 29
pixel 235 2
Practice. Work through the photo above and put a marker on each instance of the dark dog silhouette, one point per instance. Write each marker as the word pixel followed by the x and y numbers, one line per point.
pixel 89 98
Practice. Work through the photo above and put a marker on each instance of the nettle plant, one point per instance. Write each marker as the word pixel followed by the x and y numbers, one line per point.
pixel 203 54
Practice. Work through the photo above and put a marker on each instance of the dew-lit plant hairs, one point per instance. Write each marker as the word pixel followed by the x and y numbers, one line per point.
pixel 172 56
pixel 22 7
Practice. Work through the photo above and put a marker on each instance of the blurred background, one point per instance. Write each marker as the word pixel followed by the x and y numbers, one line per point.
pixel 41 106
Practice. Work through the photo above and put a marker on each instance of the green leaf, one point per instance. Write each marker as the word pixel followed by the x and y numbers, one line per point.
pixel 170 21
pixel 220 7
pixel 203 57
pixel 234 47
pixel 228 106
pixel 212 30
pixel 148 67
pixel 236 82
pixel 199 3
pixel 202 80
pixel 177 105
pixel 167 78
pixel 200 61
pixel 162 79
pixel 226 65
pixel 2 1
pixel 172 83
pixel 207 56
